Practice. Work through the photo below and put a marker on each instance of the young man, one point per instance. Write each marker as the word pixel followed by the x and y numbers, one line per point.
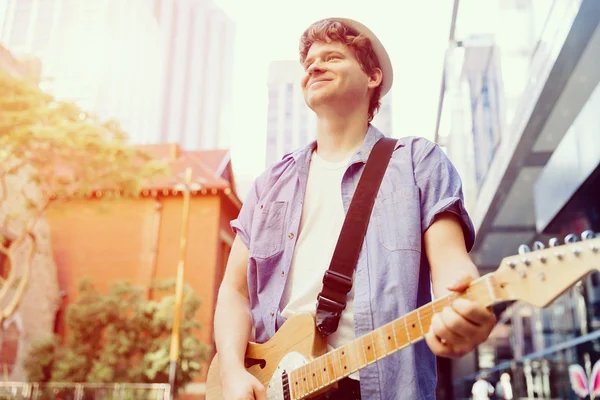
pixel 418 235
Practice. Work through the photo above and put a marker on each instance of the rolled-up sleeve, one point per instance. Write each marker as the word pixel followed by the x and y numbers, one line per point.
pixel 440 187
pixel 242 225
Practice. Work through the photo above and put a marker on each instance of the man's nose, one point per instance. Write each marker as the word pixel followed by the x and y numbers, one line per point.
pixel 315 68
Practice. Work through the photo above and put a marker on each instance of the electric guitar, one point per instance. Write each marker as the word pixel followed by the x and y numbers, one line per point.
pixel 294 364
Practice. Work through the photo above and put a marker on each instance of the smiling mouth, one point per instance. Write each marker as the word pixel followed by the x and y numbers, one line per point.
pixel 321 81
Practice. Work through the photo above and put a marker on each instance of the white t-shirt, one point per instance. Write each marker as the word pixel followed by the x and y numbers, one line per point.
pixel 320 225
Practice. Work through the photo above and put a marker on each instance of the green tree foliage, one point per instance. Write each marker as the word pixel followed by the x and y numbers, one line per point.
pixel 120 337
pixel 56 151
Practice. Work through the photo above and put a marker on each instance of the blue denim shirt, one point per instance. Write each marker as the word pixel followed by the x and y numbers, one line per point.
pixel 392 273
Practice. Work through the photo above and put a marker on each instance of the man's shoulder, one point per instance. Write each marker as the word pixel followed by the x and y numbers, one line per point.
pixel 274 172
pixel 416 142
pixel 415 147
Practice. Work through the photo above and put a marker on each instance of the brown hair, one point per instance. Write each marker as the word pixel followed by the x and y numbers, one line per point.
pixel 328 31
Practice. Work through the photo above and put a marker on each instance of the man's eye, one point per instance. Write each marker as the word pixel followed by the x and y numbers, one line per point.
pixel 333 57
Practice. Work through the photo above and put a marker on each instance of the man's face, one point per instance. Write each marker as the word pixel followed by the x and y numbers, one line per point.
pixel 333 76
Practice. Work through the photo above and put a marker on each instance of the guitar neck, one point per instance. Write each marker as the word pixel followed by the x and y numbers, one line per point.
pixel 383 341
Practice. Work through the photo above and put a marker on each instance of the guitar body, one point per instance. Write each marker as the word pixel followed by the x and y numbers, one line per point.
pixel 295 344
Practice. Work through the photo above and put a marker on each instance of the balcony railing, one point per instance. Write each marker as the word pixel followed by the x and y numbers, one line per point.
pixel 83 391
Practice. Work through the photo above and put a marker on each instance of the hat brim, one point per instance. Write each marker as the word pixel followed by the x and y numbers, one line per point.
pixel 382 56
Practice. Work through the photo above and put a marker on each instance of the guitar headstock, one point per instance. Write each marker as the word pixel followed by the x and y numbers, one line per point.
pixel 540 276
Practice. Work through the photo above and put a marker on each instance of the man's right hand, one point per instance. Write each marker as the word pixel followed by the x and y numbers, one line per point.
pixel 240 384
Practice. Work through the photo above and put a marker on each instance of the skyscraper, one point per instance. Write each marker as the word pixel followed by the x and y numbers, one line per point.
pixel 163 68
pixel 101 54
pixel 290 123
pixel 196 88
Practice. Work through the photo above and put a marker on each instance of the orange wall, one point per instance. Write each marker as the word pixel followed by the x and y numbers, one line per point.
pixel 117 241
pixel 106 242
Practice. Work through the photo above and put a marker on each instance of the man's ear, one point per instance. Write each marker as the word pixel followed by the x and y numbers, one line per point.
pixel 375 78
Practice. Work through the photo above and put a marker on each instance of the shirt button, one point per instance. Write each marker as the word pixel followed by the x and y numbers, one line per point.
pixel 282 273
pixel 291 235
pixel 261 206
pixel 272 314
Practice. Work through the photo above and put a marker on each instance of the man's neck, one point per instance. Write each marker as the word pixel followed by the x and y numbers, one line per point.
pixel 338 138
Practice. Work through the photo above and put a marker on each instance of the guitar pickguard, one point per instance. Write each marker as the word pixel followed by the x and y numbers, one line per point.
pixel 277 388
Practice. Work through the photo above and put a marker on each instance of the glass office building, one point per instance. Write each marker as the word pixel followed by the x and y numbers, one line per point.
pixel 519 116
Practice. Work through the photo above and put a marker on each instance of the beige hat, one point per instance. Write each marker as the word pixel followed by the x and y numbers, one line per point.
pixel 382 56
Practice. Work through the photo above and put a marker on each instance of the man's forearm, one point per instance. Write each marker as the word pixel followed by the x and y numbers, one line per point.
pixel 233 326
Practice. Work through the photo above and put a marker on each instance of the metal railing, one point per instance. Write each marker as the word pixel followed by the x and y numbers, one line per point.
pixel 83 391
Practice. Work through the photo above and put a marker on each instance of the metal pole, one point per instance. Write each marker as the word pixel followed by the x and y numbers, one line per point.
pixel 175 339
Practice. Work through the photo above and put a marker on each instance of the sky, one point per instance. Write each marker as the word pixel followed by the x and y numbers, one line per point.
pixel 415 34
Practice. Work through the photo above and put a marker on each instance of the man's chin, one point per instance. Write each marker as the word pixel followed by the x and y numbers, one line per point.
pixel 318 99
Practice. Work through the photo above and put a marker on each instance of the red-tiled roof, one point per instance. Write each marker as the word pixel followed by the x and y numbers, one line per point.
pixel 205 165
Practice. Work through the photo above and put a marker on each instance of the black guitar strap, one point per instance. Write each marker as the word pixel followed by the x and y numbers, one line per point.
pixel 337 281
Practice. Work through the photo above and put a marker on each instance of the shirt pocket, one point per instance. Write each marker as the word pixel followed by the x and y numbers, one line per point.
pixel 398 219
pixel 267 229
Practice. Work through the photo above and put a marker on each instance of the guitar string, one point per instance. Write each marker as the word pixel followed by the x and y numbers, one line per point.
pixel 424 312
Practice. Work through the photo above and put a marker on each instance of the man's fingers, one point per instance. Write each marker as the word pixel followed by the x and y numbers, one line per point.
pixel 460 284
pixel 259 392
pixel 457 323
pixel 473 312
pixel 437 347
pixel 441 330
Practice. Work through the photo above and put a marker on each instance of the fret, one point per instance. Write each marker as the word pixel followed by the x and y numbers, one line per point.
pixel 312 377
pixel 330 367
pixel 339 362
pixel 335 366
pixel 373 343
pixel 306 379
pixel 368 348
pixel 389 339
pixel 344 360
pixel 316 369
pixel 325 369
pixel 406 328
pixel 420 324
pixel 379 343
pixel 298 385
pixel 323 372
pixel 491 292
pixel 354 352
pixel 303 383
pixel 426 321
pixel 401 332
pixel 292 383
pixel 413 326
pixel 350 358
pixel 394 335
pixel 362 352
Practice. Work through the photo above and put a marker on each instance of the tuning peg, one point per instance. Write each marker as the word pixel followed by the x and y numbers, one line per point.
pixel 588 234
pixel 571 238
pixel 553 242
pixel 537 245
pixel 524 249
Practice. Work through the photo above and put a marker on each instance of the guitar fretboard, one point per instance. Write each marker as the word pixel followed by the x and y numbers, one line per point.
pixel 383 341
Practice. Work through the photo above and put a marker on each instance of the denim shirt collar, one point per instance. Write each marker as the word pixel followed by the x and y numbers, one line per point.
pixel 302 155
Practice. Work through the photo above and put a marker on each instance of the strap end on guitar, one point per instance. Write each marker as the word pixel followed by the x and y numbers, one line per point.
pixel 328 315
